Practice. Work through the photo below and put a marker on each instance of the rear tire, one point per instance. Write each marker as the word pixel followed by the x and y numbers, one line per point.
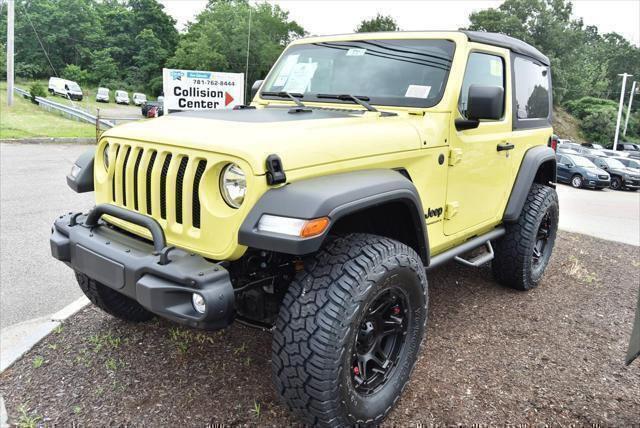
pixel 349 331
pixel 112 302
pixel 522 255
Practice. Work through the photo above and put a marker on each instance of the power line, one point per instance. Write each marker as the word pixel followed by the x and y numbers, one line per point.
pixel 39 41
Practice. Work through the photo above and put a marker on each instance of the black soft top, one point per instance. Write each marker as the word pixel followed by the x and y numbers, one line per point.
pixel 504 41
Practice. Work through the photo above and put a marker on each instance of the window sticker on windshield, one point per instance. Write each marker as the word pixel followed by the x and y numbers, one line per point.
pixel 356 52
pixel 289 63
pixel 300 77
pixel 417 91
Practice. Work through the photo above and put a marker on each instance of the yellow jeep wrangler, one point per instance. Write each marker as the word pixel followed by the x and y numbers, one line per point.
pixel 362 161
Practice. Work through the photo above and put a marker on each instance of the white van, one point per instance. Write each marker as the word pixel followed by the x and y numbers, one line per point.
pixel 102 95
pixel 65 88
pixel 139 99
pixel 122 97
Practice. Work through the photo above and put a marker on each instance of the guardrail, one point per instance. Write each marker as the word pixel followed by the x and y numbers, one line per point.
pixel 70 112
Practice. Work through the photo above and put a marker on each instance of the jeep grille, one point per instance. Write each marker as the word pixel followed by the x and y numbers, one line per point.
pixel 138 164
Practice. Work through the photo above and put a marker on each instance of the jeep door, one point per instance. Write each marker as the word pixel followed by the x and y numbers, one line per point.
pixel 479 174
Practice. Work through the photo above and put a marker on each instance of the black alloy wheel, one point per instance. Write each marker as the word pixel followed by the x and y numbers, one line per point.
pixel 542 238
pixel 379 341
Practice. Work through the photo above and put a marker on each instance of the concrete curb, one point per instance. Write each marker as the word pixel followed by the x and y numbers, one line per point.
pixel 50 140
pixel 18 339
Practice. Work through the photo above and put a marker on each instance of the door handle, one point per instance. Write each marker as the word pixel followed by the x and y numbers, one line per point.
pixel 505 146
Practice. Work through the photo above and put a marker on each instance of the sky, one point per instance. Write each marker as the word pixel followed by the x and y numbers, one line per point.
pixel 321 17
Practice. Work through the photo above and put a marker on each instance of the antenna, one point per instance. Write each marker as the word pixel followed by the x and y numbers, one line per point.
pixel 246 68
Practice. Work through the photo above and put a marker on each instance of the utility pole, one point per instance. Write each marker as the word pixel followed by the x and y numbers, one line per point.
pixel 624 84
pixel 10 19
pixel 626 120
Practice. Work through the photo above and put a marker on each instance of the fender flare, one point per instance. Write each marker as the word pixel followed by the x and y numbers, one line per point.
pixel 334 196
pixel 83 180
pixel 533 159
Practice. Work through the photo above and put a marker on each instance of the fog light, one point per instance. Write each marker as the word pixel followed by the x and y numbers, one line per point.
pixel 198 303
pixel 75 171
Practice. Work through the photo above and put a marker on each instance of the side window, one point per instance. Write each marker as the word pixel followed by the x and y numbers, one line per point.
pixel 532 89
pixel 482 69
pixel 562 160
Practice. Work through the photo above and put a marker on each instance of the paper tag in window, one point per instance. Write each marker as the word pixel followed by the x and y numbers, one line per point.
pixel 289 63
pixel 495 67
pixel 356 52
pixel 300 77
pixel 417 91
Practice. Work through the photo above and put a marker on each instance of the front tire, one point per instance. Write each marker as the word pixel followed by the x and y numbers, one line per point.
pixel 112 302
pixel 616 183
pixel 522 255
pixel 349 331
pixel 576 181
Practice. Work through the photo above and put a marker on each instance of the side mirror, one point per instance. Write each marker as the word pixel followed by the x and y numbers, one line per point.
pixel 484 102
pixel 255 87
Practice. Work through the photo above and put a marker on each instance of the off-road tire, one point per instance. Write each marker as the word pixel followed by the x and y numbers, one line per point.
pixel 112 302
pixel 321 316
pixel 513 265
pixel 616 183
pixel 576 181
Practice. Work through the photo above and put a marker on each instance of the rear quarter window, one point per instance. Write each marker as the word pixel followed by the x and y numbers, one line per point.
pixel 532 93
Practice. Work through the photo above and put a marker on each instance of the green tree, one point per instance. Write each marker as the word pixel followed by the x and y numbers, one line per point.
pixel 379 23
pixel 103 66
pixel 151 56
pixel 217 39
pixel 75 73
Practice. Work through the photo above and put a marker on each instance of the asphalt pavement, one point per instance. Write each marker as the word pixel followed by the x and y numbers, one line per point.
pixel 33 191
pixel 608 214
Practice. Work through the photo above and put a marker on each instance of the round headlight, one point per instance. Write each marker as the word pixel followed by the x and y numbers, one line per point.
pixel 233 185
pixel 105 157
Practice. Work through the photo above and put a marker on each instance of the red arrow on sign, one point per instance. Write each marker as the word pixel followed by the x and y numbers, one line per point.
pixel 228 99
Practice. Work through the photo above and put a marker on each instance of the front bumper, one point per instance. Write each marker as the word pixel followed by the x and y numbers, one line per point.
pixel 161 281
pixel 632 184
pixel 597 183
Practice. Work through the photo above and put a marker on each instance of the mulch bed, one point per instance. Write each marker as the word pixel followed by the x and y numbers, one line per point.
pixel 492 356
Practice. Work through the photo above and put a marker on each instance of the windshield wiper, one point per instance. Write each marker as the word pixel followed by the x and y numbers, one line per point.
pixel 362 100
pixel 291 95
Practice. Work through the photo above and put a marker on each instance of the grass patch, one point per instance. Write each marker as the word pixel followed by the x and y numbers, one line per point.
pixel 27 120
pixel 26 419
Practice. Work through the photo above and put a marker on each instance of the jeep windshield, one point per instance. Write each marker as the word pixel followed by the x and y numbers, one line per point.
pixel 405 73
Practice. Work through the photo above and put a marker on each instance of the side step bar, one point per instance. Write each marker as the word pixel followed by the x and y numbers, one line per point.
pixel 454 253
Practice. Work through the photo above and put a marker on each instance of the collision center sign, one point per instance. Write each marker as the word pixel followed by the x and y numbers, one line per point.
pixel 201 90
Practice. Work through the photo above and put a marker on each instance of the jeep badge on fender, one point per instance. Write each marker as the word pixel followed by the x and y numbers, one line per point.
pixel 304 212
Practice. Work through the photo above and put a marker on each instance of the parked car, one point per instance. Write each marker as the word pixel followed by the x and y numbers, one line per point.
pixel 158 107
pixel 122 97
pixel 139 99
pixel 614 153
pixel 632 149
pixel 567 151
pixel 328 248
pixel 621 176
pixel 102 96
pixel 593 145
pixel 581 172
pixel 65 88
pixel 629 163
